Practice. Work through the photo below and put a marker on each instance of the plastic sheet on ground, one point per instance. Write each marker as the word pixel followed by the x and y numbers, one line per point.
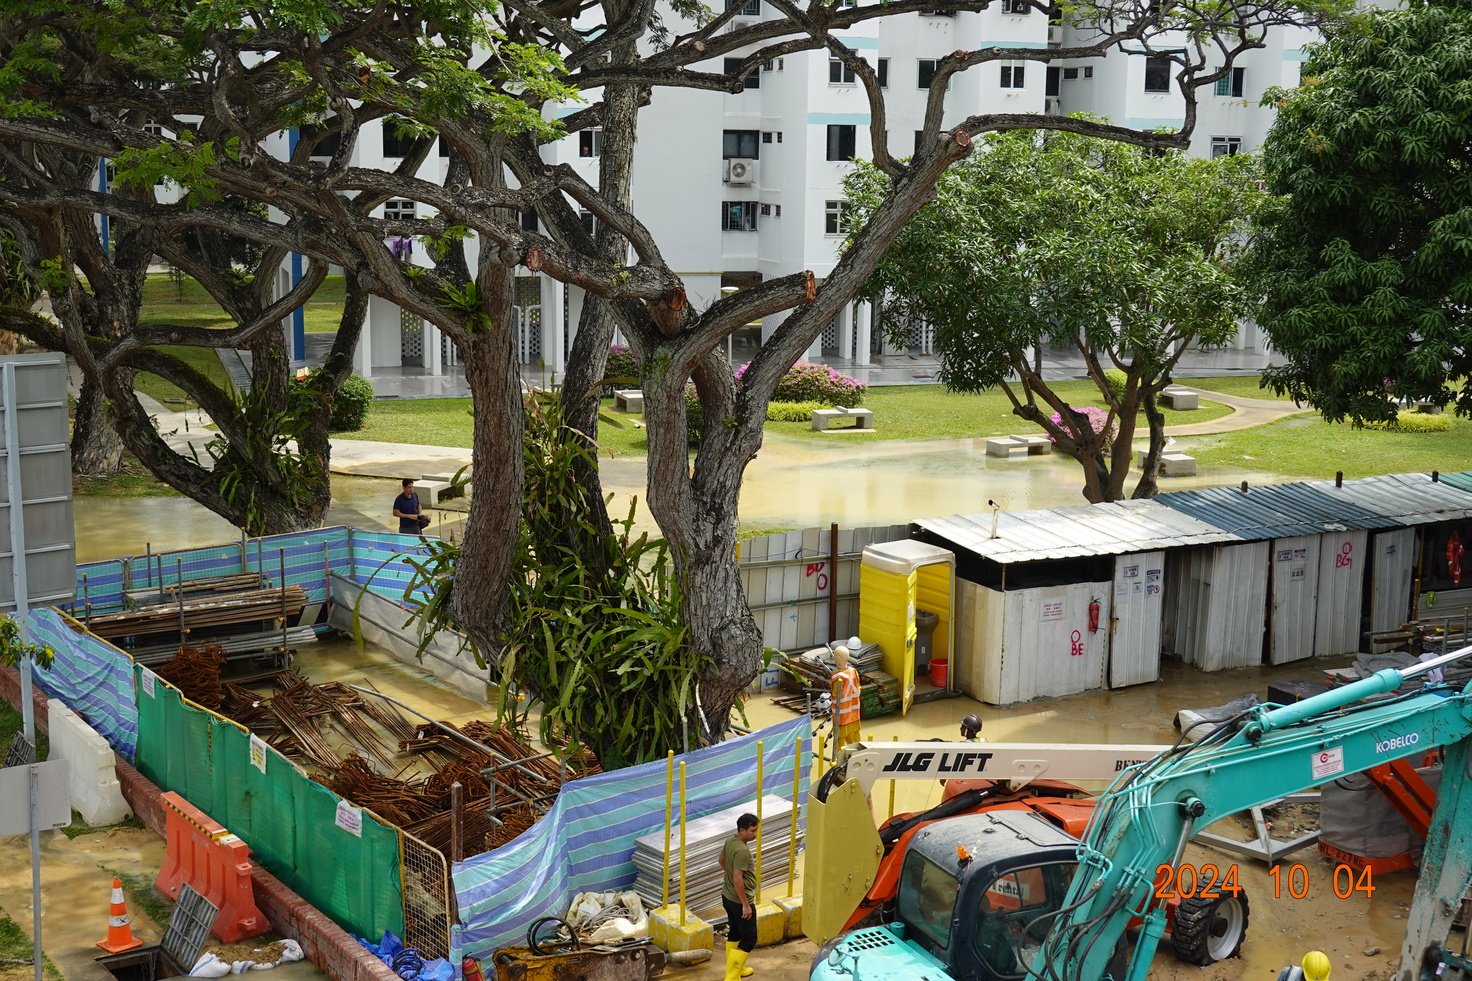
pixel 1197 723
pixel 407 962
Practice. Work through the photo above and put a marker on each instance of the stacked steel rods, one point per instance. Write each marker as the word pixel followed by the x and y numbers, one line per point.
pixel 364 749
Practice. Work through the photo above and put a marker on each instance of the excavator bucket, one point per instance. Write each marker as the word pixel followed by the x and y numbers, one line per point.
pixel 843 853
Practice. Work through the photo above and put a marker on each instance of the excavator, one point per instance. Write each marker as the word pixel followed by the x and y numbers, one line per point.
pixel 1007 893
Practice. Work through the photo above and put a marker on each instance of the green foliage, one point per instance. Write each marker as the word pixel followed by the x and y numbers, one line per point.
pixel 1412 422
pixel 792 411
pixel 350 407
pixel 692 415
pixel 267 442
pixel 1365 264
pixel 13 649
pixel 1116 381
pixel 467 303
pixel 597 641
pixel 182 161
pixel 16 288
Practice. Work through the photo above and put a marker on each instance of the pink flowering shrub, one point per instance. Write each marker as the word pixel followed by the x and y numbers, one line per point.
pixel 1097 419
pixel 807 382
pixel 622 365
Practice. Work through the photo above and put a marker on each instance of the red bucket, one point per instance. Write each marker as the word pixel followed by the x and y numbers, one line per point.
pixel 939 672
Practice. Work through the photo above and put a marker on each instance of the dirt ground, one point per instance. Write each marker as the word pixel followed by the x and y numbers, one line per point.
pixel 1362 935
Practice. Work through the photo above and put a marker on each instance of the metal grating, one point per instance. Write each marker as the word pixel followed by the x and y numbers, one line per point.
pixel 189 926
pixel 411 338
pixel 426 897
pixel 20 752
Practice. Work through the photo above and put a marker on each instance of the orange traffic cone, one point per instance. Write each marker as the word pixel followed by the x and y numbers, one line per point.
pixel 119 933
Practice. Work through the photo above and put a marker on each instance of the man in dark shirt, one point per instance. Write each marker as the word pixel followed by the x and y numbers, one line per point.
pixel 407 510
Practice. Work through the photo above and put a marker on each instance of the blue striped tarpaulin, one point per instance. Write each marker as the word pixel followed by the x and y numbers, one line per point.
pixel 93 678
pixel 585 843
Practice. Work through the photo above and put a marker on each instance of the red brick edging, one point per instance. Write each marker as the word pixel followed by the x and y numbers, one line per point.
pixel 326 944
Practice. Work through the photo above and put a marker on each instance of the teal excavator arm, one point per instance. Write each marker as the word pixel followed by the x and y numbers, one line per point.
pixel 1148 816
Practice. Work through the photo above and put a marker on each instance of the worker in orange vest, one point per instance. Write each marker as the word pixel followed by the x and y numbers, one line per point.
pixel 844 683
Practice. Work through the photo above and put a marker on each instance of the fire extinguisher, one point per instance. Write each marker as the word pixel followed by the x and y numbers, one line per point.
pixel 1094 615
pixel 470 970
pixel 1454 553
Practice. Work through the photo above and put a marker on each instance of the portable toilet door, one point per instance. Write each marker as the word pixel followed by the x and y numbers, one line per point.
pixel 896 578
pixel 1134 625
pixel 1295 598
pixel 1392 565
pixel 1342 558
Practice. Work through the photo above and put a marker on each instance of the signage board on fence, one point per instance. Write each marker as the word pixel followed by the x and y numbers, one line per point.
pixel 54 804
pixel 34 438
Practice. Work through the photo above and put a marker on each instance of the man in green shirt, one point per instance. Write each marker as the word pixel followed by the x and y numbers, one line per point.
pixel 737 890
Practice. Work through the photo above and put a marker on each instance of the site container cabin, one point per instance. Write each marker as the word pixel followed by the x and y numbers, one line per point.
pixel 1055 602
pixel 1311 575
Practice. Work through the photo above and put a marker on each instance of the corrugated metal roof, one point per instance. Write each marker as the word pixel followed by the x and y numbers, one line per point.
pixel 1273 510
pixel 1075 532
pixel 1405 498
pixel 1461 481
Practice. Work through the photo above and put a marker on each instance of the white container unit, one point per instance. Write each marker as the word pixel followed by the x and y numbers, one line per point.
pixel 1216 603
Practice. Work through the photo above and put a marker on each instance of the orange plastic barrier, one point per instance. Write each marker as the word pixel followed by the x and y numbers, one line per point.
pixel 203 855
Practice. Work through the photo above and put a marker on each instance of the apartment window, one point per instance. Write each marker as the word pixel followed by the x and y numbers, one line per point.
pixel 1088 71
pixel 884 73
pixel 839 73
pixel 925 73
pixel 1052 80
pixel 1157 73
pixel 1017 7
pixel 776 211
pixel 753 78
pixel 745 8
pixel 766 137
pixel 1231 83
pixel 326 143
pixel 398 209
pixel 744 143
pixel 1012 74
pixel 529 221
pixel 590 224
pixel 738 216
pixel 1225 146
pixel 590 143
pixel 779 136
pixel 919 138
pixel 444 148
pixel 1069 74
pixel 395 145
pixel 766 211
pixel 842 142
pixel 835 218
pixel 848 3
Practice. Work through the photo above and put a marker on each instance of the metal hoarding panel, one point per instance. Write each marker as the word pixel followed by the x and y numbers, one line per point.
pixel 1236 607
pixel 1047 649
pixel 1294 599
pixel 978 634
pixel 1134 628
pixel 1392 560
pixel 1342 558
pixel 35 410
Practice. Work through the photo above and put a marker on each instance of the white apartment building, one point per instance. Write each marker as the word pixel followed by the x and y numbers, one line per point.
pixel 739 188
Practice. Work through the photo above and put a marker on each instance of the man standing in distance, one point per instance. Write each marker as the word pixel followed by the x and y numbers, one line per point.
pixel 408 511
pixel 737 890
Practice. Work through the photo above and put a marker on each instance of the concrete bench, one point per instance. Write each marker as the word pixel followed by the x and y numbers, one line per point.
pixel 1177 465
pixel 449 478
pixel 1007 448
pixel 824 418
pixel 1036 445
pixel 628 400
pixel 1181 398
pixel 431 492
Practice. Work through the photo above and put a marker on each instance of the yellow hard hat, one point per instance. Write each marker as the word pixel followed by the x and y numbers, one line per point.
pixel 1316 966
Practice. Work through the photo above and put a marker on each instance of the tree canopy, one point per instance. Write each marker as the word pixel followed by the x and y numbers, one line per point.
pixel 1049 240
pixel 1365 266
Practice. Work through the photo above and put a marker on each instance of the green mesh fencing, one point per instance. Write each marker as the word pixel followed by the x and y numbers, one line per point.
pixel 289 821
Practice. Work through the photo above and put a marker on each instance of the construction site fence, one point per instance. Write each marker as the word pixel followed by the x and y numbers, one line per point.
pixel 307 559
pixel 792 579
pixel 338 857
pixel 585 843
pixel 90 676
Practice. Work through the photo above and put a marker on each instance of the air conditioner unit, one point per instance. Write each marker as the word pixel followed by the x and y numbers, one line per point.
pixel 1055 34
pixel 1052 107
pixel 740 171
pixel 1018 7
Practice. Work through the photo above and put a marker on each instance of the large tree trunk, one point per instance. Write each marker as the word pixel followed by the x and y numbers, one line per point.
pixel 698 515
pixel 96 446
pixel 488 554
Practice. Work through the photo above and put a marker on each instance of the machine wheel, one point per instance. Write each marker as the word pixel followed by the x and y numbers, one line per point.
pixel 1210 930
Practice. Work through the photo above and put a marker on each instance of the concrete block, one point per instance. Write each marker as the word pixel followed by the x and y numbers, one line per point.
pixel 1006 447
pixel 1177 465
pixel 1181 398
pixel 1036 445
pixel 668 933
pixel 791 906
pixel 94 780
pixel 629 400
pixel 433 490
pixel 771 924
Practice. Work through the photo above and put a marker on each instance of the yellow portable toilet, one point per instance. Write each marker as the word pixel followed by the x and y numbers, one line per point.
pixel 896 579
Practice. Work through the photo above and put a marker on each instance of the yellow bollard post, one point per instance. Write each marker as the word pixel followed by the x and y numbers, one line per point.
pixel 820 755
pixel 669 802
pixel 671 929
pixel 791 904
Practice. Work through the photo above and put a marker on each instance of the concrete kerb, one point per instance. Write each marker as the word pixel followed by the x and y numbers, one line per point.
pixel 325 944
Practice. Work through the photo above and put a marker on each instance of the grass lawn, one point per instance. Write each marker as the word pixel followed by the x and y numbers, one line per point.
pixel 187 304
pixel 1242 386
pixel 11 723
pixel 202 359
pixel 1306 446
pixel 900 412
pixel 132 481
pixel 16 947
